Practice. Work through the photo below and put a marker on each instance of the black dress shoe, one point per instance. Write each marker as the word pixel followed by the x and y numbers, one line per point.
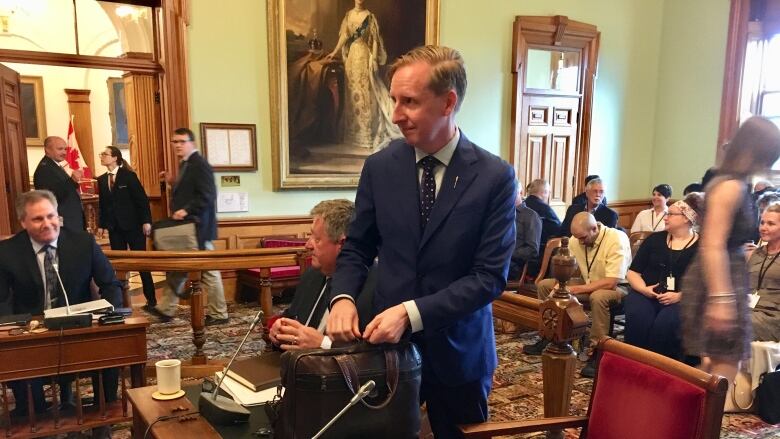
pixel 589 371
pixel 536 348
pixel 211 321
pixel 162 318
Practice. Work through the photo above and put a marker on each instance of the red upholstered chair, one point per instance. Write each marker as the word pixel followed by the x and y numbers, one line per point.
pixel 281 277
pixel 637 394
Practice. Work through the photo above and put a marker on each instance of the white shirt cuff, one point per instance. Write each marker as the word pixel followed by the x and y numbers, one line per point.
pixel 342 296
pixel 326 343
pixel 414 315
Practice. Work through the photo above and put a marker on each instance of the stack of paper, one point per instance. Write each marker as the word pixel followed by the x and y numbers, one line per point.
pixel 242 395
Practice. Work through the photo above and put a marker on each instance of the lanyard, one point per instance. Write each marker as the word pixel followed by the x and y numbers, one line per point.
pixel 589 263
pixel 762 271
pixel 673 261
pixel 652 215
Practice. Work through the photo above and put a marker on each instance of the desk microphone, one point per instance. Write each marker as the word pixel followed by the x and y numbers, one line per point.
pixel 64 293
pixel 220 410
pixel 362 392
pixel 67 321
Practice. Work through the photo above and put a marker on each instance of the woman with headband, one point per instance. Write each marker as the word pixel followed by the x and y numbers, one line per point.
pixel 652 304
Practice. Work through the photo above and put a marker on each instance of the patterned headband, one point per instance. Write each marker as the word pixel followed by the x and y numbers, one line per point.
pixel 686 210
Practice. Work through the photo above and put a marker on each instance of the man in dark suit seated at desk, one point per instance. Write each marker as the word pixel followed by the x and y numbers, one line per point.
pixel 302 325
pixel 29 262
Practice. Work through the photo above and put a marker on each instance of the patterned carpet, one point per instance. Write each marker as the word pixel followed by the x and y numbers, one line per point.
pixel 517 392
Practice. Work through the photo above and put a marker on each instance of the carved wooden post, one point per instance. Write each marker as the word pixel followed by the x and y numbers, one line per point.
pixel 266 299
pixel 198 318
pixel 562 320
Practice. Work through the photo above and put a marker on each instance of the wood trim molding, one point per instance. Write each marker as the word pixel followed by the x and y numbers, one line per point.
pixel 84 61
pixel 732 75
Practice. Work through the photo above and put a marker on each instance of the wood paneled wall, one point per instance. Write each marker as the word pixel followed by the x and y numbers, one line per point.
pixel 628 209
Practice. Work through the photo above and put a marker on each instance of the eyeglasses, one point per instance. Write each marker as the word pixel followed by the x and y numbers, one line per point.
pixel 175 142
pixel 674 214
pixel 105 154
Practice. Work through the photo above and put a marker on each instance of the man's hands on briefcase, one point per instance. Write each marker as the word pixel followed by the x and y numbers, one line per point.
pixel 387 327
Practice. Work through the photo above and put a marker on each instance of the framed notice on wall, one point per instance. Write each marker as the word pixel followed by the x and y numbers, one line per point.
pixel 229 146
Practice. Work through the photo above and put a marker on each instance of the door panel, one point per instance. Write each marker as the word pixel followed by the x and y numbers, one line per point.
pixel 13 150
pixel 549 142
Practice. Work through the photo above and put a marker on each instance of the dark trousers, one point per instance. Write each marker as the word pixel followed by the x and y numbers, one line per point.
pixel 19 389
pixel 653 326
pixel 449 406
pixel 134 240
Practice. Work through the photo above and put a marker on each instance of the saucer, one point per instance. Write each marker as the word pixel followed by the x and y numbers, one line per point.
pixel 163 397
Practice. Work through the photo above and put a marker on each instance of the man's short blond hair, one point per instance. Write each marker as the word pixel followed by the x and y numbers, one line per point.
pixel 337 214
pixel 448 71
pixel 32 197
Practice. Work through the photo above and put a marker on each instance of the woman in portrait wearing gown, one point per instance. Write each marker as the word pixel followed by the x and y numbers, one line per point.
pixel 367 116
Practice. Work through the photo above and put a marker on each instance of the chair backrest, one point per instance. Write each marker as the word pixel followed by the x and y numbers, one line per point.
pixel 636 239
pixel 549 250
pixel 640 394
pixel 275 241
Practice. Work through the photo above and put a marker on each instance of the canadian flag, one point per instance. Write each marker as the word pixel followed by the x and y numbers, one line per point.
pixel 73 156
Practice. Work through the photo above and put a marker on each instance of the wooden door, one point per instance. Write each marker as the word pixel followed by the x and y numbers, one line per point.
pixel 553 76
pixel 549 143
pixel 13 150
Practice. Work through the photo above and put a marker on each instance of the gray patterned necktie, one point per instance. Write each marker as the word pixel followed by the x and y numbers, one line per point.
pixel 52 282
pixel 427 188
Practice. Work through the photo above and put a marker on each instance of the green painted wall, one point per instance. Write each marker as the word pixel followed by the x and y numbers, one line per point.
pixel 693 52
pixel 649 102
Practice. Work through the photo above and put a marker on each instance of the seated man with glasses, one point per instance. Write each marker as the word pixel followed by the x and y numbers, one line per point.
pixel 603 256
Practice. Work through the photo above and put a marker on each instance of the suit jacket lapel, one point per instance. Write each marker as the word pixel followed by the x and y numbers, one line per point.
pixel 56 166
pixel 407 188
pixel 31 261
pixel 457 178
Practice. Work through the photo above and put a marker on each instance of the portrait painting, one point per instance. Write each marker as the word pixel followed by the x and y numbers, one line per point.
pixel 329 85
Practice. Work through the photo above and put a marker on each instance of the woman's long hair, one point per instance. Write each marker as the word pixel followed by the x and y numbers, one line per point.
pixel 120 161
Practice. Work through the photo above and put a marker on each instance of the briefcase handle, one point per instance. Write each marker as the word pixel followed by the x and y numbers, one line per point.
pixel 349 370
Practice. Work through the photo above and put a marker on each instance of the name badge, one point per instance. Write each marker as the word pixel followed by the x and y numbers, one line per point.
pixel 670 286
pixel 753 299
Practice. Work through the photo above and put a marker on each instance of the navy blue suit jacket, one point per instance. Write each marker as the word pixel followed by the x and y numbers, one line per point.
pixel 453 269
pixel 80 261
pixel 51 177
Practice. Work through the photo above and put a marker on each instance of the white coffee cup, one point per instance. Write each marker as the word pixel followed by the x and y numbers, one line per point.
pixel 168 376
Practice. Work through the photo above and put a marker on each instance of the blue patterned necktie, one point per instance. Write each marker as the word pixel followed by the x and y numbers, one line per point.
pixel 52 283
pixel 427 188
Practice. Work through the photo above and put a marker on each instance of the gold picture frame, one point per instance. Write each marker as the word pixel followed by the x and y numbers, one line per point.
pixel 33 110
pixel 319 156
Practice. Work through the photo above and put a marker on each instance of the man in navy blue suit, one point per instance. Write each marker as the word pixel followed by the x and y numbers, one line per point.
pixel 439 212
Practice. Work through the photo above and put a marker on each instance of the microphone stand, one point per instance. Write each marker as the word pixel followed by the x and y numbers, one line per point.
pixel 220 410
pixel 364 390
pixel 56 267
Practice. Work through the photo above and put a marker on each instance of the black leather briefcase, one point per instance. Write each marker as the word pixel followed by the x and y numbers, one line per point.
pixel 319 383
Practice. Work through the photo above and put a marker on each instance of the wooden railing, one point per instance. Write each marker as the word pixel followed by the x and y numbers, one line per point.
pixel 194 262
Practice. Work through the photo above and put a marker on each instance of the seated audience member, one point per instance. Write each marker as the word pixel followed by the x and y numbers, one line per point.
pixel 302 325
pixel 594 192
pixel 28 279
pixel 652 305
pixel 767 199
pixel 652 220
pixel 581 198
pixel 538 195
pixel 603 255
pixel 529 232
pixel 761 187
pixel 693 187
pixel 765 278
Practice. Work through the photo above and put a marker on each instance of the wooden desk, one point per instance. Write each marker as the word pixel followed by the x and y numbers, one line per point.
pixel 147 410
pixel 73 351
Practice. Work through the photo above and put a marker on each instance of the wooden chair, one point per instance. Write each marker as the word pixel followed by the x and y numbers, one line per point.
pixel 636 239
pixel 281 277
pixel 636 394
